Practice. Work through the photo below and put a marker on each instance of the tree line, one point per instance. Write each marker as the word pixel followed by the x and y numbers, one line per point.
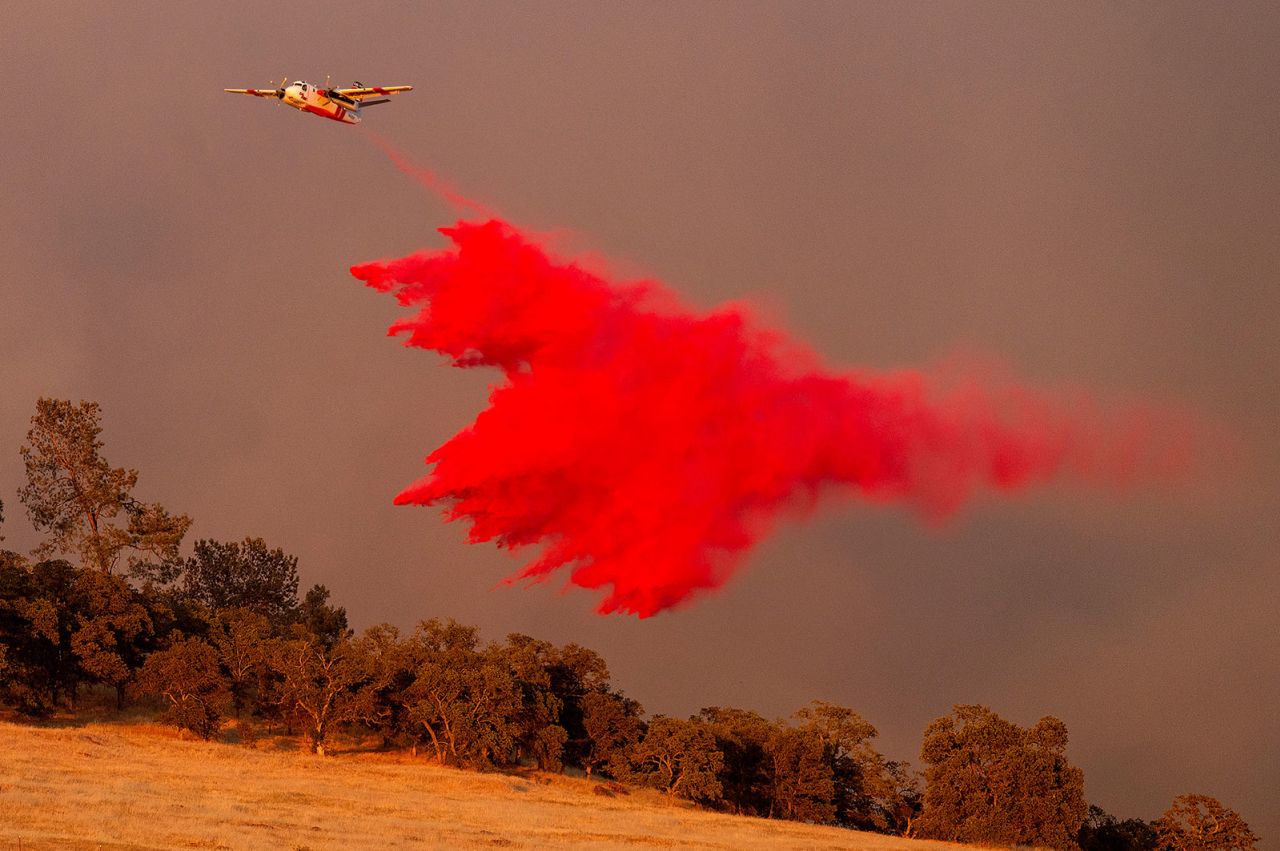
pixel 221 640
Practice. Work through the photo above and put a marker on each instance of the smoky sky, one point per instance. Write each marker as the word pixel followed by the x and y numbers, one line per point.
pixel 1088 192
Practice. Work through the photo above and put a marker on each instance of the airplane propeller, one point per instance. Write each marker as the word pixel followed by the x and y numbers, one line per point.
pixel 280 90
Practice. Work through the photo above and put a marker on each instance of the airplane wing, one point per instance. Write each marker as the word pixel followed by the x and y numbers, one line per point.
pixel 364 92
pixel 258 93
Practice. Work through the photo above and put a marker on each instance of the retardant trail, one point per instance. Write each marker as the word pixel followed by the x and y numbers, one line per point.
pixel 647 447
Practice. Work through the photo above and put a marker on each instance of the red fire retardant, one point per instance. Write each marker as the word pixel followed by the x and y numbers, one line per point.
pixel 647 447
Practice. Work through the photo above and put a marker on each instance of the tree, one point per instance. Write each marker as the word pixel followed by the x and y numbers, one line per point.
pixel 871 792
pixel 539 735
pixel 239 637
pixel 802 784
pixel 1202 823
pixel 988 781
pixel 391 665
pixel 1102 832
pixel 323 685
pixel 187 677
pixel 110 629
pixel 325 621
pixel 611 726
pixel 62 626
pixel 741 736
pixel 75 496
pixel 38 610
pixel 463 698
pixel 679 758
pixel 244 575
pixel 575 673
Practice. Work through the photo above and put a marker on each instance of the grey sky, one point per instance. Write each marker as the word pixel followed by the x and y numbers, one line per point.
pixel 1089 191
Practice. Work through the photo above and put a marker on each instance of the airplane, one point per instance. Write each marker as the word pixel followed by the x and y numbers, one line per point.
pixel 339 104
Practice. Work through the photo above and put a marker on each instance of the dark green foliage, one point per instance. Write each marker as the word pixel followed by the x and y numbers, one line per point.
pixel 328 623
pixel 991 782
pixel 870 792
pixel 463 699
pixel 1202 823
pixel 611 726
pixel 678 757
pixel 802 783
pixel 819 767
pixel 111 629
pixel 74 496
pixel 39 608
pixel 187 677
pixel 240 639
pixel 322 685
pixel 539 735
pixel 244 575
pixel 741 736
pixel 1102 832
pixel 575 673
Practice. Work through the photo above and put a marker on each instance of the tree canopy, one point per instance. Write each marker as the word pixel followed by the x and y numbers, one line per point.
pixel 990 781
pixel 1202 823
pixel 678 757
pixel 223 631
pixel 243 575
pixel 76 497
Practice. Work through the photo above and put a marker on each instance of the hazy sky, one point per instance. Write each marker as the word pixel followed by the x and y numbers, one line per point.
pixel 1090 192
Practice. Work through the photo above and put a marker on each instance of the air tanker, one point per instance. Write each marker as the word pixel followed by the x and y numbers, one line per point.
pixel 335 103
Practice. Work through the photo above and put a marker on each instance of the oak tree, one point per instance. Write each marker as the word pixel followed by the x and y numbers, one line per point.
pixel 871 792
pixel 111 629
pixel 1202 823
pixel 239 637
pixel 540 736
pixel 1101 831
pixel 801 781
pixel 463 697
pixel 741 736
pixel 39 605
pixel 990 781
pixel 187 677
pixel 678 757
pixel 244 575
pixel 611 725
pixel 321 685
pixel 77 498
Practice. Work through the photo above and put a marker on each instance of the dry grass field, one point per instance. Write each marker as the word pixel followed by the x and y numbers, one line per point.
pixel 114 785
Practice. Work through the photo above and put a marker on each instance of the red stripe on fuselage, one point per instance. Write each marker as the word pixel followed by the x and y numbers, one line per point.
pixel 323 113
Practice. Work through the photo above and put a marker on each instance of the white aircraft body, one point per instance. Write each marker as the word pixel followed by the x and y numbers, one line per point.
pixel 338 104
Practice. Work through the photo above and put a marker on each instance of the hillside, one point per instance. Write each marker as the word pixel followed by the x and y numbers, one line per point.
pixel 134 786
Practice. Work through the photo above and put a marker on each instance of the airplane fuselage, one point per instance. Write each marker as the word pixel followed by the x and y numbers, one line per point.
pixel 337 103
pixel 309 98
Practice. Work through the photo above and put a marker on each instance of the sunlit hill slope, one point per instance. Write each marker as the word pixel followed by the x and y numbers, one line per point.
pixel 136 786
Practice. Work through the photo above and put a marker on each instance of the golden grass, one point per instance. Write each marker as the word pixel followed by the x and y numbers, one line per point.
pixel 142 786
